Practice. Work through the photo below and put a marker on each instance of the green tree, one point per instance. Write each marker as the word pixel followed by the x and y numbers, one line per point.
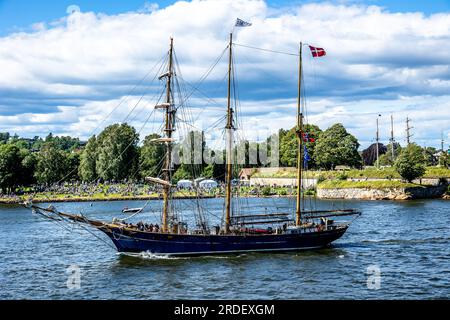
pixel 37 143
pixel 151 156
pixel 13 139
pixel 73 164
pixel 429 154
pixel 288 148
pixel 386 160
pixel 289 145
pixel 52 165
pixel 182 173
pixel 337 147
pixel 117 153
pixel 29 162
pixel 214 171
pixel 22 144
pixel 444 160
pixel 410 164
pixel 10 167
pixel 88 160
pixel 4 137
pixel 208 171
pixel 66 143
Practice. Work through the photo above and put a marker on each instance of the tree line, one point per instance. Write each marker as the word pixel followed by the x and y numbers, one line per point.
pixel 116 155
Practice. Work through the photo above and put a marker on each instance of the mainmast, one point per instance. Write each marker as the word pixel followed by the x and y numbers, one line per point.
pixel 169 120
pixel 299 131
pixel 229 127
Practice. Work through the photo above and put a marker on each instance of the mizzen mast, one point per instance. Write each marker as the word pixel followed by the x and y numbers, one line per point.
pixel 169 128
pixel 299 131
pixel 229 127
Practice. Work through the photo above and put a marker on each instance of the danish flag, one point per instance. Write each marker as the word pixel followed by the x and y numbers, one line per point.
pixel 317 52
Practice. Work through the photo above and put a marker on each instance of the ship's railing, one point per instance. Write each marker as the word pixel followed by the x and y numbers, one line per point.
pixel 261 219
pixel 329 213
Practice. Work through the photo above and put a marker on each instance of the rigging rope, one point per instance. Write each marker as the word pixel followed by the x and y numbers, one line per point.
pixel 73 223
pixel 267 50
pixel 115 108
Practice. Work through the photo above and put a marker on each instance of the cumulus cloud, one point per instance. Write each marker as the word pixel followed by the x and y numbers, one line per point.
pixel 68 75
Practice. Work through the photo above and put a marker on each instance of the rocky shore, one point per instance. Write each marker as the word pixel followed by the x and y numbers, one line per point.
pixel 408 193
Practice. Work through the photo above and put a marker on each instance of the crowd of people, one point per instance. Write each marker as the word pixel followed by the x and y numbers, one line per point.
pixel 141 226
pixel 80 189
pixel 106 189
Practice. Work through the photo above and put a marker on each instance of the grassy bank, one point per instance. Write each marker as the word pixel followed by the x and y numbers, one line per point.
pixel 369 173
pixel 52 197
pixel 382 184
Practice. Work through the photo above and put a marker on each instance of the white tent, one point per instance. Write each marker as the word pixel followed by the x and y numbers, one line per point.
pixel 198 180
pixel 208 184
pixel 184 184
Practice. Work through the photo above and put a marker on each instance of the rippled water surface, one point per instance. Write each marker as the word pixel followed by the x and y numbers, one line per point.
pixel 408 241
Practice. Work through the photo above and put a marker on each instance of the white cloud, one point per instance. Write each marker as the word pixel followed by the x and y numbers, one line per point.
pixel 377 62
pixel 73 9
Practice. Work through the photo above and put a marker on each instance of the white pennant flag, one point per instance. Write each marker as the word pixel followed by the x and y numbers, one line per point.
pixel 242 23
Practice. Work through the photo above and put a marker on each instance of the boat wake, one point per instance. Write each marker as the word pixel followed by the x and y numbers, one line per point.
pixel 406 241
pixel 149 256
pixel 153 256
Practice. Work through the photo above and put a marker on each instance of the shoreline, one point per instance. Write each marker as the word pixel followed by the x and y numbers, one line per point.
pixel 364 194
pixel 126 198
pixel 94 199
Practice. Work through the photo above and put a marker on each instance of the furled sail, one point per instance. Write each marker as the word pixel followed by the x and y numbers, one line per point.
pixel 158 181
pixel 164 105
pixel 163 140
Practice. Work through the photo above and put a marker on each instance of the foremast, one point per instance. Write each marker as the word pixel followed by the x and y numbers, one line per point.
pixel 168 130
pixel 299 132
pixel 229 150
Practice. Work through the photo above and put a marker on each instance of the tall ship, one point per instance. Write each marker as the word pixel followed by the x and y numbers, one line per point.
pixel 238 231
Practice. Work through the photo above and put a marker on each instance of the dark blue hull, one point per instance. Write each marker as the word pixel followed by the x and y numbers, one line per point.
pixel 179 244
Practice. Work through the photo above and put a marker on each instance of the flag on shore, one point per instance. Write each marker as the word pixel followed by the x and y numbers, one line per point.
pixel 306 157
pixel 317 52
pixel 242 23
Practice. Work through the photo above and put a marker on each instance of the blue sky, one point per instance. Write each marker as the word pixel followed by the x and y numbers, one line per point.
pixel 20 14
pixel 64 73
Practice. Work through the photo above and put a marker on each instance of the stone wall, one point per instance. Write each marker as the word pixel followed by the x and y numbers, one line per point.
pixel 282 182
pixel 382 194
pixel 426 181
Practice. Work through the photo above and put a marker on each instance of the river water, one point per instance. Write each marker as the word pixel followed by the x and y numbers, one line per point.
pixel 395 250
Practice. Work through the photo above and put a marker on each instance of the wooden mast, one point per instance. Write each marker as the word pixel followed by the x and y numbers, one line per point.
pixel 299 131
pixel 229 128
pixel 168 131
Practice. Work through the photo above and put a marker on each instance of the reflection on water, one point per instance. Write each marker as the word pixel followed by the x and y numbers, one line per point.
pixel 408 241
